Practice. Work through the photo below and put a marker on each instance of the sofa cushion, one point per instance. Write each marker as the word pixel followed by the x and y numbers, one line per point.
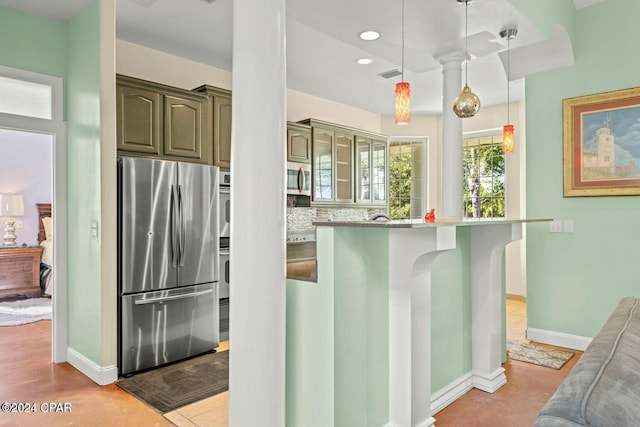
pixel 603 388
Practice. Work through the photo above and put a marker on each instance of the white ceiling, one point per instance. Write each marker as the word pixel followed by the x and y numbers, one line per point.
pixel 322 43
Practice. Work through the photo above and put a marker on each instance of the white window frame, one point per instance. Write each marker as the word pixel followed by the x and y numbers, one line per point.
pixel 483 134
pixel 425 158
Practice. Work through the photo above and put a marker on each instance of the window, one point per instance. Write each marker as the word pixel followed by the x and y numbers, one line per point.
pixel 407 182
pixel 483 169
pixel 23 93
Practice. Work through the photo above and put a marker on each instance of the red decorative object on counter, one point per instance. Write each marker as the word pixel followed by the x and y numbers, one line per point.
pixel 430 216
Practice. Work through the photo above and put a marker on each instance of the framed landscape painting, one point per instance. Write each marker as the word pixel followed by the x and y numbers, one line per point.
pixel 601 136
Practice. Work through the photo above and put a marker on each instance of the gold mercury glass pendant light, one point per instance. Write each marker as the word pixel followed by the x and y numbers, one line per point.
pixel 467 104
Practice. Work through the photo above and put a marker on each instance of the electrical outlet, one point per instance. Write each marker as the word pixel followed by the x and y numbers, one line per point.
pixel 555 226
pixel 568 226
pixel 18 224
pixel 94 228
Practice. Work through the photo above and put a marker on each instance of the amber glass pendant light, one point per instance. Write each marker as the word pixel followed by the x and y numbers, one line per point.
pixel 507 130
pixel 403 91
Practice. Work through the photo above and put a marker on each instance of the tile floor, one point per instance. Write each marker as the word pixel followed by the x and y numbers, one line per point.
pixel 28 376
pixel 210 412
pixel 516 318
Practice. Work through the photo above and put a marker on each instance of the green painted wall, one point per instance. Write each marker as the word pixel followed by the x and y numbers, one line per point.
pixel 83 117
pixel 310 346
pixel 451 312
pixel 32 43
pixel 545 14
pixel 575 280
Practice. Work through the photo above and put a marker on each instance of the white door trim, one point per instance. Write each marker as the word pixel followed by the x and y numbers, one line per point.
pixel 58 130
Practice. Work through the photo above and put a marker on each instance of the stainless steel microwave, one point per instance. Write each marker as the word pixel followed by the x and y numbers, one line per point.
pixel 298 179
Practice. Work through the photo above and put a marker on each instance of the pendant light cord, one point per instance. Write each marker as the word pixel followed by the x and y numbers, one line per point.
pixel 466 43
pixel 508 72
pixel 403 40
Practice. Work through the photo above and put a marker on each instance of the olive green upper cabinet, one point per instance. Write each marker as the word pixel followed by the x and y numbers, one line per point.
pixel 139 120
pixel 371 171
pixel 155 120
pixel 298 143
pixel 219 124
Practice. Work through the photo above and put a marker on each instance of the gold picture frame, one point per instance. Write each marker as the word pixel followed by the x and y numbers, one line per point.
pixel 601 137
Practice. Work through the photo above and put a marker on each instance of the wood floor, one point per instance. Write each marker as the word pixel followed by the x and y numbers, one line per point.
pixel 27 376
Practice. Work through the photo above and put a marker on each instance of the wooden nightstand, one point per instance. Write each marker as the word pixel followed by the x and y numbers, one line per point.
pixel 20 271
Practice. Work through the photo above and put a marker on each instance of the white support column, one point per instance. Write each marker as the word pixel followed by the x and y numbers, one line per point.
pixel 487 247
pixel 257 296
pixel 451 137
pixel 411 255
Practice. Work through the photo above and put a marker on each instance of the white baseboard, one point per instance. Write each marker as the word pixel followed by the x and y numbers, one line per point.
pixel 558 339
pixel 451 392
pixel 101 375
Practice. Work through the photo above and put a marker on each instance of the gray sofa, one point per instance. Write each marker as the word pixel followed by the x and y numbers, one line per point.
pixel 603 388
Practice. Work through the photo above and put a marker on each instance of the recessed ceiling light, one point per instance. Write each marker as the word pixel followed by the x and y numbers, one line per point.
pixel 369 35
pixel 364 61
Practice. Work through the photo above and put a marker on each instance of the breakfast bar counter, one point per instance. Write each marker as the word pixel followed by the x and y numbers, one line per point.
pixel 380 279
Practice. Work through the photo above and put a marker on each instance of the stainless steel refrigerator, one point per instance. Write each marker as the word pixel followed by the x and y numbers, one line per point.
pixel 168 249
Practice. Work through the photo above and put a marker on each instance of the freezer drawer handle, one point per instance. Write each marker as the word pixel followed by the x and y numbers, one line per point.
pixel 174 297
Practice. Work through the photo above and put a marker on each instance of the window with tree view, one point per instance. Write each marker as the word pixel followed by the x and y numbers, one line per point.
pixel 483 168
pixel 406 177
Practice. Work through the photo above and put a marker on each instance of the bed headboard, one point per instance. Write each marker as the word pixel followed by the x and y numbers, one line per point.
pixel 44 210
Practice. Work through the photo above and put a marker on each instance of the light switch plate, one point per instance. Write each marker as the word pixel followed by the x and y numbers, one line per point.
pixel 568 226
pixel 555 226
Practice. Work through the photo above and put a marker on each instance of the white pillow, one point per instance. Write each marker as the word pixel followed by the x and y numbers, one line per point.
pixel 46 222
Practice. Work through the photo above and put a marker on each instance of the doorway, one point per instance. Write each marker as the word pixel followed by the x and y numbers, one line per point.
pixel 46 123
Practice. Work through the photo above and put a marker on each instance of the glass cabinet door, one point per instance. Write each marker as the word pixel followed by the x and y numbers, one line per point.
pixel 344 168
pixel 363 168
pixel 322 165
pixel 378 172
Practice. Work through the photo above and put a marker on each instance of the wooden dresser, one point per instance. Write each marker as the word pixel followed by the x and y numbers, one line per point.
pixel 20 271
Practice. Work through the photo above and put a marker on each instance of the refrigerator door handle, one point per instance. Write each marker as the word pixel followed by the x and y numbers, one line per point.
pixel 174 228
pixel 183 230
pixel 172 297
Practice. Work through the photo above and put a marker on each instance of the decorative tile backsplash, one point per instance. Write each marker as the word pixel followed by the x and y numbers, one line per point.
pixel 301 219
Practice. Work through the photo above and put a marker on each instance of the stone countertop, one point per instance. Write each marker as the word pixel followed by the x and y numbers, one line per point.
pixel 420 223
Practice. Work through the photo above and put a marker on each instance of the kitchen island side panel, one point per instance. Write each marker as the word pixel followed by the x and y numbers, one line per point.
pixel 309 387
pixel 361 304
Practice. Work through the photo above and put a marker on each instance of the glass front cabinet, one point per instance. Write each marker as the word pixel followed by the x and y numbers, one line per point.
pixel 349 166
pixel 371 171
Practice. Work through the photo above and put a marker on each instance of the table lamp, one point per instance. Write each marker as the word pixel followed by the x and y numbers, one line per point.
pixel 10 205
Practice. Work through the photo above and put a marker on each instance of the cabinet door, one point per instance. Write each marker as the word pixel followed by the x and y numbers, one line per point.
pixel 344 167
pixel 298 146
pixel 363 170
pixel 379 172
pixel 183 126
pixel 222 131
pixel 322 165
pixel 139 121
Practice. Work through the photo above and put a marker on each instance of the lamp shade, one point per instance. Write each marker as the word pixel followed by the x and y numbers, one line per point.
pixel 403 103
pixel 11 205
pixel 507 139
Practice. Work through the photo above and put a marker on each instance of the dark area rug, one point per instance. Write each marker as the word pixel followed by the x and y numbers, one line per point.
pixel 173 386
pixel 526 352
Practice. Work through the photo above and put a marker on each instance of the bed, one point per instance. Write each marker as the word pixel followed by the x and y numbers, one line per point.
pixel 45 238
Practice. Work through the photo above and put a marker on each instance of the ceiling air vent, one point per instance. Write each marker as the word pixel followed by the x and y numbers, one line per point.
pixel 390 73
